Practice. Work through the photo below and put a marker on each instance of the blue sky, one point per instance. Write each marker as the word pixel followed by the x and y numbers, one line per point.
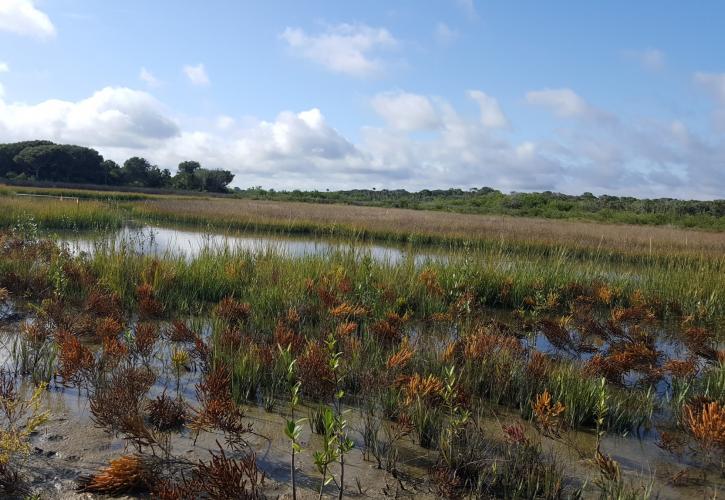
pixel 617 97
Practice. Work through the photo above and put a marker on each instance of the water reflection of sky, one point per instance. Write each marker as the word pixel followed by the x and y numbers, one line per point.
pixel 154 240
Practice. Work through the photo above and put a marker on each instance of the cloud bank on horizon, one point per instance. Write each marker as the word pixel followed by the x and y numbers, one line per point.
pixel 368 101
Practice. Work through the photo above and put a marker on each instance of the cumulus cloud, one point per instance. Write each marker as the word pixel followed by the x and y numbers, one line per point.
pixel 149 78
pixel 22 17
pixel 349 49
pixel 4 68
pixel 197 75
pixel 405 111
pixel 562 102
pixel 650 59
pixel 433 145
pixel 491 114
pixel 112 117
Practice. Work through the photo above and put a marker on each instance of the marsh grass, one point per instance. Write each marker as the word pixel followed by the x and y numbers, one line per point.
pixel 417 344
pixel 50 213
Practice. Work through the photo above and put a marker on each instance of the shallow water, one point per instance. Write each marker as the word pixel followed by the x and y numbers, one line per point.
pixel 158 240
pixel 70 445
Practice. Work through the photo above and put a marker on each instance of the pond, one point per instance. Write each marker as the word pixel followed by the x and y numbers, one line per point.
pixel 158 240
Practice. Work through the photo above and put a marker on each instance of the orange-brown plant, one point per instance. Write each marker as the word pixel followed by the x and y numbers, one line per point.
pixel 232 311
pixel 706 423
pixel 314 373
pixel 76 360
pixel 126 474
pixel 548 415
pixel 148 305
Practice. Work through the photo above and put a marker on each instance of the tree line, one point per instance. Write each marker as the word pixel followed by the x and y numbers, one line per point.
pixel 48 161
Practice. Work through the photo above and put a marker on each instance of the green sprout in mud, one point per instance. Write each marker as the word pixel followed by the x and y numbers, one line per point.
pixel 293 427
pixel 335 443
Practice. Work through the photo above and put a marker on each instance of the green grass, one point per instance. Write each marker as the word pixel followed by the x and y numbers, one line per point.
pixel 50 213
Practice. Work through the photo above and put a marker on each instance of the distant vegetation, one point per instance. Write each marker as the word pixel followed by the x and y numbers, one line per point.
pixel 43 163
pixel 47 161
pixel 485 200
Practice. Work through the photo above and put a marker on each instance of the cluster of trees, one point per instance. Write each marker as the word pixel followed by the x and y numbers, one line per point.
pixel 47 161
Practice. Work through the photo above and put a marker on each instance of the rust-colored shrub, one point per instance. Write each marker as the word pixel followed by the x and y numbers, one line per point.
pixel 389 330
pixel 104 304
pixel 179 332
pixel 287 337
pixel 114 350
pixel 313 371
pixel 108 327
pixel 218 410
pixel 76 360
pixel 148 306
pixel 166 413
pixel 147 334
pixel 482 344
pixel 116 405
pixel 232 311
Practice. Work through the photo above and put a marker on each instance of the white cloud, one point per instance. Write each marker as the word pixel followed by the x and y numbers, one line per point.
pixel 303 150
pixel 562 102
pixel 113 117
pixel 405 111
pixel 349 49
pixel 2 91
pixel 491 114
pixel 444 34
pixel 197 74
pixel 714 84
pixel 4 68
pixel 23 18
pixel 149 78
pixel 650 59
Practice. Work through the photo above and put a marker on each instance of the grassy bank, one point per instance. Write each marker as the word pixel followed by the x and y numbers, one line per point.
pixel 50 213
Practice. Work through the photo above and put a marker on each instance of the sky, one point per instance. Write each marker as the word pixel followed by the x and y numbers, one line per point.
pixel 617 97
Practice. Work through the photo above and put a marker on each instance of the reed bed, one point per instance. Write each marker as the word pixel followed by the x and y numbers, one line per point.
pixel 424 227
pixel 50 213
